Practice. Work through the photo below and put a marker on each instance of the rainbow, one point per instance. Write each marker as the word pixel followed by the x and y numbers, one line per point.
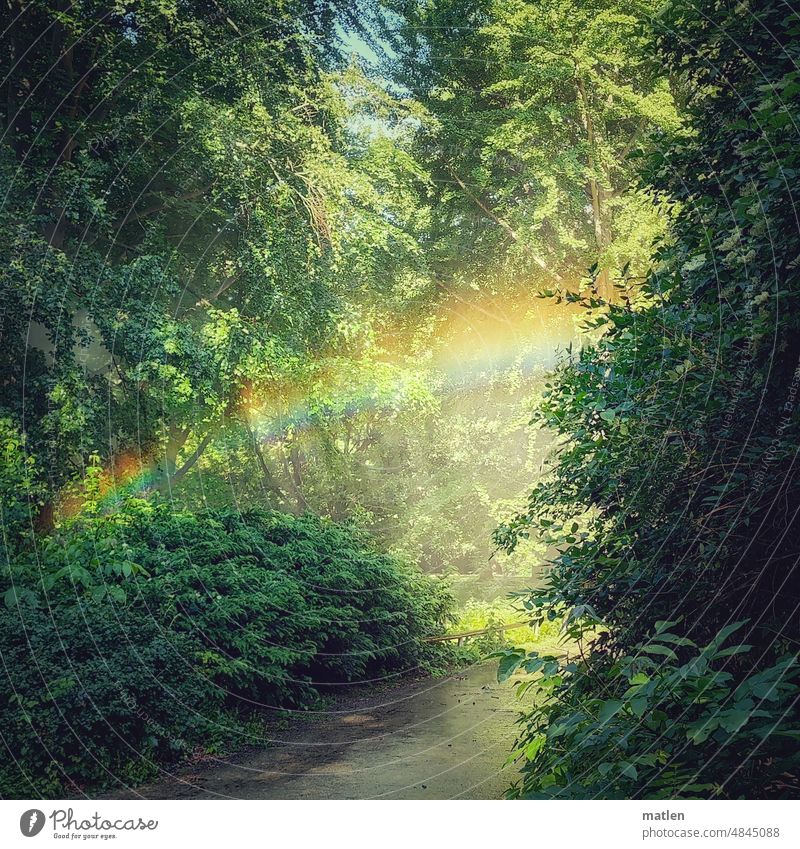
pixel 476 340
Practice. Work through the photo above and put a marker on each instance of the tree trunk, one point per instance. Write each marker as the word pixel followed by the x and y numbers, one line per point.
pixel 270 484
pixel 193 457
pixel 595 192
pixel 292 467
pixel 176 440
pixel 169 471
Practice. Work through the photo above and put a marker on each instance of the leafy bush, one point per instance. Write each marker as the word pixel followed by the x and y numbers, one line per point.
pixel 674 492
pixel 659 727
pixel 93 692
pixel 20 492
pixel 283 603
pixel 118 626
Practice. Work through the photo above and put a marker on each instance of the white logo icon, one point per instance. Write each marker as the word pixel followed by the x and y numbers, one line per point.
pixel 31 822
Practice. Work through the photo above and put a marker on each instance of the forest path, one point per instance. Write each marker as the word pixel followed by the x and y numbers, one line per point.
pixel 437 738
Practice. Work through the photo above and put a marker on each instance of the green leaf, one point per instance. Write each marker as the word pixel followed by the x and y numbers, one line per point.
pixel 742 648
pixel 700 731
pixel 533 748
pixel 726 632
pixel 20 595
pixel 508 665
pixel 610 709
pixel 733 720
pixel 765 690
pixel 675 640
pixel 118 594
pixel 654 648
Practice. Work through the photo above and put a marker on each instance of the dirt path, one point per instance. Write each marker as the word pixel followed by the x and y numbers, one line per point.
pixel 438 738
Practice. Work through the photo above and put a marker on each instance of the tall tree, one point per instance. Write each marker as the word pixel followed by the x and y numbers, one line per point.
pixel 183 210
pixel 535 109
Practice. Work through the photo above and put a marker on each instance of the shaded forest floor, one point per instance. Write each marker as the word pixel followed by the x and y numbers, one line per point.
pixel 435 738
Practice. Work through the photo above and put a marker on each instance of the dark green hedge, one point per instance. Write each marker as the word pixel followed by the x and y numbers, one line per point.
pixel 128 639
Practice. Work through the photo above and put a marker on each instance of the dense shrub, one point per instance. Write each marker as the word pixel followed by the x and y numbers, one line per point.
pixel 129 637
pixel 675 492
pixel 718 724
pixel 90 692
pixel 281 603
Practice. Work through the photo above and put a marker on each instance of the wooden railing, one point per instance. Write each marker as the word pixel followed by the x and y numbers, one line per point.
pixel 466 634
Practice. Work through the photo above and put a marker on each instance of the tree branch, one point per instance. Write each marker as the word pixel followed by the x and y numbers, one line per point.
pixel 512 233
pixel 193 457
pixel 132 214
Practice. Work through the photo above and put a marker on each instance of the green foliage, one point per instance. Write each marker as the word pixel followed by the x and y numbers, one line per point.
pixel 475 615
pixel 428 457
pixel 224 251
pixel 534 108
pixel 20 490
pixel 212 244
pixel 674 492
pixel 126 636
pixel 94 694
pixel 188 210
pixel 715 721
